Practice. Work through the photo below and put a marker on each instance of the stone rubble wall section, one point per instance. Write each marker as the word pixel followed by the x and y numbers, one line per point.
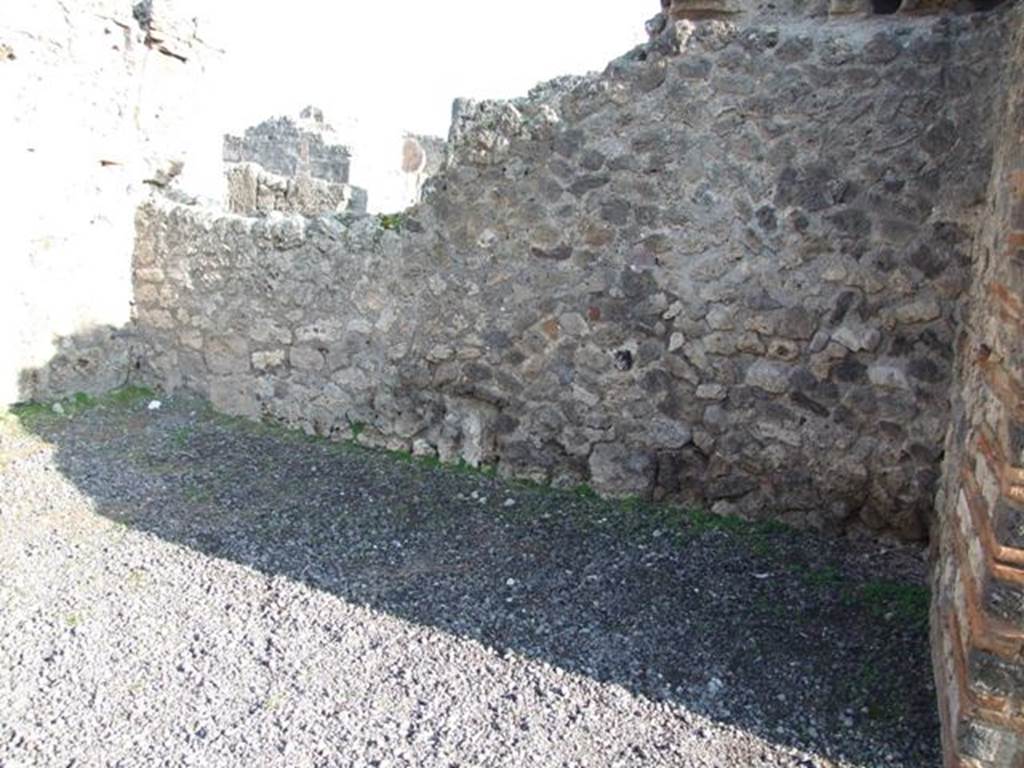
pixel 423 157
pixel 773 9
pixel 727 270
pixel 252 191
pixel 978 575
pixel 290 148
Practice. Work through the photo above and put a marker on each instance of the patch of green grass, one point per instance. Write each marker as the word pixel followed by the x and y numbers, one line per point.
pixel 29 411
pixel 530 484
pixel 33 414
pixel 180 436
pixel 267 426
pixel 701 521
pixel 433 462
pixel 761 537
pixel 129 395
pixel 906 602
pixel 757 533
pixel 633 516
pixel 83 400
pixel 405 457
pixel 761 546
pixel 879 703
pixel 827 576
pixel 430 462
pixel 390 221
pixel 356 428
pixel 197 493
pixel 884 710
pixel 466 468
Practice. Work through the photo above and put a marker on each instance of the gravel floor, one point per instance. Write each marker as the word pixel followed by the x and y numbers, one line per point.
pixel 180 589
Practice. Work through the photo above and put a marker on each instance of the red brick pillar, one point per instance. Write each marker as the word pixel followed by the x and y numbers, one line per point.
pixel 978 600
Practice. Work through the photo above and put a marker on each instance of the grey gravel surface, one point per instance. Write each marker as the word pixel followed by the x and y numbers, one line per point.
pixel 180 589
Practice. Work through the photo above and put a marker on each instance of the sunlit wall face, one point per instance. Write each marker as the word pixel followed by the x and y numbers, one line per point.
pixel 114 111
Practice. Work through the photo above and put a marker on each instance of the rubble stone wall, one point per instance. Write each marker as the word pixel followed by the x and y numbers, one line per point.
pixel 252 191
pixel 729 269
pixel 978 588
pixel 293 166
pixel 290 148
pixel 422 158
pixel 774 9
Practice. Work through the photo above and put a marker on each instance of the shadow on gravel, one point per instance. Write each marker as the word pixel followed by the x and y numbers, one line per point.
pixel 796 638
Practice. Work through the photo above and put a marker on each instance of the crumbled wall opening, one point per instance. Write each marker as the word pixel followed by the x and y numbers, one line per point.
pixel 881 7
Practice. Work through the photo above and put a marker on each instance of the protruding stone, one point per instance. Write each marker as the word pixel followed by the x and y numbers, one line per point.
pixel 227 354
pixel 888 375
pixel 621 471
pixel 920 311
pixel 711 392
pixel 306 358
pixel 769 376
pixel 263 361
pixel 667 433
pixel 857 338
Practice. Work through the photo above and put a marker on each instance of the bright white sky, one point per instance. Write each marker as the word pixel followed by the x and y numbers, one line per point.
pixel 380 68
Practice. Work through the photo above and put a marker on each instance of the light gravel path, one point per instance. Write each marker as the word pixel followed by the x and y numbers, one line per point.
pixel 179 589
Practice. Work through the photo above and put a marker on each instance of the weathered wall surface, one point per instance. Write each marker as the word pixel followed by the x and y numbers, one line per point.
pixel 772 9
pixel 251 191
pixel 98 101
pixel 422 158
pixel 727 269
pixel 978 591
pixel 290 148
pixel 293 166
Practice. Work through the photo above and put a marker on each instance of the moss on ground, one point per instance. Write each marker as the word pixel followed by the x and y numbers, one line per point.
pixel 37 413
pixel 633 517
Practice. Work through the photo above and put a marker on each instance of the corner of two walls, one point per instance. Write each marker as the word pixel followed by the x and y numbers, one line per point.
pixel 727 270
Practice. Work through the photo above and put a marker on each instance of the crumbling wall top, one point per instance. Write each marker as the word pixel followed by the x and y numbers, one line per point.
pixel 290 165
pixel 735 9
pixel 291 147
